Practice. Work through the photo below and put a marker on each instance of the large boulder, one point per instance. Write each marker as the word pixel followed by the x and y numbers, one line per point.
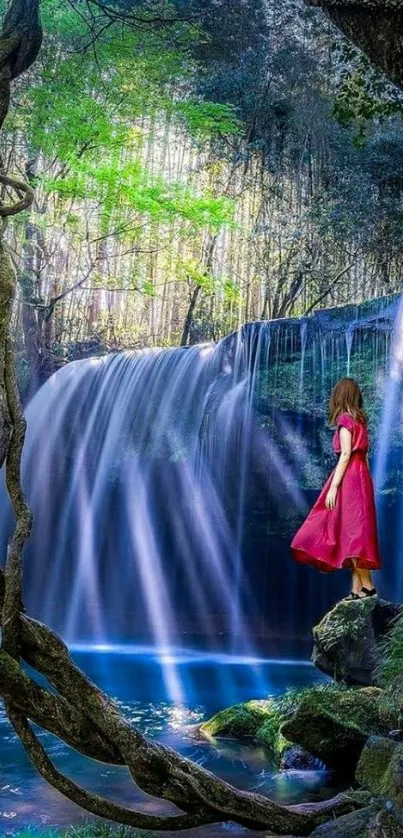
pixel 334 725
pixel 261 720
pixel 380 769
pixel 348 640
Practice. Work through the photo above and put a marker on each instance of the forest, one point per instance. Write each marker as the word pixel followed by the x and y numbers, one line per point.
pixel 238 161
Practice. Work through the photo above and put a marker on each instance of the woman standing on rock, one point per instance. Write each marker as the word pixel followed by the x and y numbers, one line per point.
pixel 340 530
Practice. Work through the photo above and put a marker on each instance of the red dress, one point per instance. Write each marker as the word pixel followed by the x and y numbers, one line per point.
pixel 328 538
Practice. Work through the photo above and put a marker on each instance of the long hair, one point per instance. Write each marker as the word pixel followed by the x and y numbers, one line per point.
pixel 346 397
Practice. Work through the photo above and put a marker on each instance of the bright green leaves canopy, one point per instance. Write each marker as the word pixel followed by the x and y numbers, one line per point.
pixel 122 186
pixel 93 96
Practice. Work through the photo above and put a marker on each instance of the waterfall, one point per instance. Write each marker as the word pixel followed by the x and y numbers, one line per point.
pixel 389 459
pixel 166 484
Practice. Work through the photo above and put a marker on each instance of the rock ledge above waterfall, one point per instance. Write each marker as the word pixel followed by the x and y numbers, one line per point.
pixel 348 639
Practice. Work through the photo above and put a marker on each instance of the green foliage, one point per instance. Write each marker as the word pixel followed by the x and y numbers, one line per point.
pixel 121 186
pixel 364 94
pixel 193 270
pixel 85 92
pixel 208 119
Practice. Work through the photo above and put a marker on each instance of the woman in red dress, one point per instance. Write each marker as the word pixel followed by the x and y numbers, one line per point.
pixel 340 530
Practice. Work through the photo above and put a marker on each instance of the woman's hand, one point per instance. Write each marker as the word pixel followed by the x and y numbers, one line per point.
pixel 330 501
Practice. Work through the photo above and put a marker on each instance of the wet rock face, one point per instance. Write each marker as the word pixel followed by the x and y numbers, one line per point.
pixel 347 640
pixel 298 759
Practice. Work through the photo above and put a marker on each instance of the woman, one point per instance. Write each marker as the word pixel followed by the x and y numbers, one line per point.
pixel 340 530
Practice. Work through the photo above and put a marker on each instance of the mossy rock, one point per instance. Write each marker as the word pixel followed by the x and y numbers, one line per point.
pixel 269 734
pixel 380 768
pixel 334 726
pixel 349 640
pixel 263 720
pixel 391 704
pixel 260 719
pixel 238 720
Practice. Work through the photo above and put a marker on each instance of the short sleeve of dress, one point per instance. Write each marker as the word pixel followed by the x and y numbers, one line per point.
pixel 345 421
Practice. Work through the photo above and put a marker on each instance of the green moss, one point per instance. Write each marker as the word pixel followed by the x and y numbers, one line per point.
pixel 349 639
pixel 334 726
pixel 263 719
pixel 391 653
pixel 238 720
pixel 391 704
pixel 380 769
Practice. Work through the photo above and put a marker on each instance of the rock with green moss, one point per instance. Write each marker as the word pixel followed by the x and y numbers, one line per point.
pixel 391 660
pixel 380 769
pixel 349 640
pixel 239 720
pixel 269 732
pixel 391 704
pixel 334 726
pixel 264 721
pixel 261 720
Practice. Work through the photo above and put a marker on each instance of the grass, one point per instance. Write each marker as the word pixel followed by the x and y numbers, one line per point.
pixel 391 653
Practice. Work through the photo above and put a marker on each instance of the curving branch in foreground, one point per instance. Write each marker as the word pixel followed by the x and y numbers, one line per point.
pixel 25 194
pixel 77 711
pixel 88 720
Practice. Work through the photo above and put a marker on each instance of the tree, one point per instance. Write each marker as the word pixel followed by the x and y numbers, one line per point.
pixel 94 183
pixel 76 710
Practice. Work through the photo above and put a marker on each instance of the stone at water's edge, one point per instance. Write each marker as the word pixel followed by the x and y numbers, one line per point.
pixel 347 639
pixel 334 726
pixel 261 720
pixel 296 758
pixel 239 720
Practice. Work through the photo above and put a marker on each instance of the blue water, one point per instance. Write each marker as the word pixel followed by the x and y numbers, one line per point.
pixel 139 679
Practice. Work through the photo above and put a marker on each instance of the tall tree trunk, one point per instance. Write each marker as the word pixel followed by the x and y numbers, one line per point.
pixel 189 315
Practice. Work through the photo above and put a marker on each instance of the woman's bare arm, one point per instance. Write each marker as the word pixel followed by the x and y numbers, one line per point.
pixel 344 459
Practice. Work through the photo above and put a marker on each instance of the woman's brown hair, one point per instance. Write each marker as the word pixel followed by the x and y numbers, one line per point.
pixel 346 397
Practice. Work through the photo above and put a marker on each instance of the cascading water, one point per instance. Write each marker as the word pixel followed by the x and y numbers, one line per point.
pixel 166 485
pixel 389 460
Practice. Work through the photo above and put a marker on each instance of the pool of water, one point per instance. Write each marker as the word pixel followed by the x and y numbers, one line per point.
pixel 143 683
